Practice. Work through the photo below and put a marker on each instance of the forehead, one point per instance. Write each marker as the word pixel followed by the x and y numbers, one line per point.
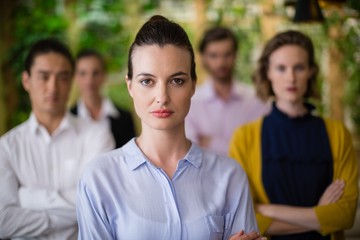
pixel 88 61
pixel 51 62
pixel 155 59
pixel 288 54
pixel 220 45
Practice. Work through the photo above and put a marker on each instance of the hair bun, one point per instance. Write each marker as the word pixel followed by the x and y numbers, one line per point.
pixel 156 18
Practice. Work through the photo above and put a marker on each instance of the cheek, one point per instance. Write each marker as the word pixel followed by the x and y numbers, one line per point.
pixel 140 102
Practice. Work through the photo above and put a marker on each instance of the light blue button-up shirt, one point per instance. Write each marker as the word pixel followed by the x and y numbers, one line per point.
pixel 122 195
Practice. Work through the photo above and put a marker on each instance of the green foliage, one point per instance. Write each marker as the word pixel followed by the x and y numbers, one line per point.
pixel 245 24
pixel 103 30
pixel 350 46
pixel 31 21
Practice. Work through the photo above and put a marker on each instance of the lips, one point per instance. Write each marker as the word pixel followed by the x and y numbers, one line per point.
pixel 51 99
pixel 291 89
pixel 162 113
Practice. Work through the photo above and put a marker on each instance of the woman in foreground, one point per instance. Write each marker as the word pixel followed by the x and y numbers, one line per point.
pixel 160 185
pixel 302 168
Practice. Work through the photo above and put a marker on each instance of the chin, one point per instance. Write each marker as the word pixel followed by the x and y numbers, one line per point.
pixel 165 126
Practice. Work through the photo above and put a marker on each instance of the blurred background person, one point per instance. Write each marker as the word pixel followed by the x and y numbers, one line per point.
pixel 42 158
pixel 90 76
pixel 222 103
pixel 302 168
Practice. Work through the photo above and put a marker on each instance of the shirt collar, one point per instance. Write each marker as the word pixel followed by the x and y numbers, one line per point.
pixel 68 122
pixel 108 109
pixel 137 157
pixel 194 155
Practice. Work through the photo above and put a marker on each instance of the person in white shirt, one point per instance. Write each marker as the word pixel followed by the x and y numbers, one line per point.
pixel 90 76
pixel 42 158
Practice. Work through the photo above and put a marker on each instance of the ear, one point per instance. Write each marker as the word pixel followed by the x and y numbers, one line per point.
pixel 25 80
pixel 312 72
pixel 128 84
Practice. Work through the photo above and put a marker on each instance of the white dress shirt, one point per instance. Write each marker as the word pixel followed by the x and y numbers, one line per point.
pixel 108 109
pixel 39 174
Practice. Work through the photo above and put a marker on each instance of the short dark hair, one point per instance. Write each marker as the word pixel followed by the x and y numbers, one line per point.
pixel 216 34
pixel 44 46
pixel 88 52
pixel 290 37
pixel 160 31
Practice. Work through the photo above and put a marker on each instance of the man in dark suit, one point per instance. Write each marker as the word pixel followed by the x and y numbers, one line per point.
pixel 90 75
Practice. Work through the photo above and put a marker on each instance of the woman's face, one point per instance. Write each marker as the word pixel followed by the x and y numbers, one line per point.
pixel 161 87
pixel 289 72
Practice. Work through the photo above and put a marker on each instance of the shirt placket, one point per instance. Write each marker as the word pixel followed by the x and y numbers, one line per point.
pixel 172 210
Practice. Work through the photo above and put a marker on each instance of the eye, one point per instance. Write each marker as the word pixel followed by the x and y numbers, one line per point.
pixel 64 78
pixel 213 55
pixel 280 68
pixel 299 67
pixel 82 73
pixel 146 82
pixel 177 81
pixel 43 76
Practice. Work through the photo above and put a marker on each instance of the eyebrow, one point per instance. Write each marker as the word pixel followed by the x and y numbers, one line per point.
pixel 49 72
pixel 172 75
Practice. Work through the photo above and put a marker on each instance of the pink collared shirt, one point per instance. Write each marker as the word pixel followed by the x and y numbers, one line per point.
pixel 216 119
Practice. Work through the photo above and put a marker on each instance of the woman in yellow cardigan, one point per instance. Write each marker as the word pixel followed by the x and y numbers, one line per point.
pixel 302 168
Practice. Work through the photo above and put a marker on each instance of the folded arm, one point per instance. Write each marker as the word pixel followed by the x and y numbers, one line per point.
pixel 19 221
pixel 293 219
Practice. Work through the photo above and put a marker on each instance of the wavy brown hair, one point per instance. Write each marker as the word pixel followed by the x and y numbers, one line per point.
pixel 291 37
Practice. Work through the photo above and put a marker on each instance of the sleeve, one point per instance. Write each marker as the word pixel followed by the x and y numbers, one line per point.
pixel 17 221
pixel 245 149
pixel 244 217
pixel 91 221
pixel 340 215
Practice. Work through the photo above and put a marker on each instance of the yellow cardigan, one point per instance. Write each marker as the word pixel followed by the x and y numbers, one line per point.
pixel 245 147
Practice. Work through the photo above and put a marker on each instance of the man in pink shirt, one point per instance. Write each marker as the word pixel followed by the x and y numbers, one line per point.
pixel 221 103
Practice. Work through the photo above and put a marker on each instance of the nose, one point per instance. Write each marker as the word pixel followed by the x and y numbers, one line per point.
pixel 52 84
pixel 162 95
pixel 291 75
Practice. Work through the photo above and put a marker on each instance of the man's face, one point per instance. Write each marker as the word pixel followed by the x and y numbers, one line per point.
pixel 219 59
pixel 89 76
pixel 48 83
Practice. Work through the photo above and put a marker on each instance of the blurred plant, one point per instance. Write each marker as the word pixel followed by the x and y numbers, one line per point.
pixel 31 21
pixel 243 18
pixel 350 46
pixel 102 29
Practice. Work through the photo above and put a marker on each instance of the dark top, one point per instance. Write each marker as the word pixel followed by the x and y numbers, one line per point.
pixel 122 127
pixel 296 162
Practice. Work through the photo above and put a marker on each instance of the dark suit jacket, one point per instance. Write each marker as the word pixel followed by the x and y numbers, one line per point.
pixel 122 127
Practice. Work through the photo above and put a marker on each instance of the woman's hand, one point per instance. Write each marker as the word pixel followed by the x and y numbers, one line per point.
pixel 332 193
pixel 249 236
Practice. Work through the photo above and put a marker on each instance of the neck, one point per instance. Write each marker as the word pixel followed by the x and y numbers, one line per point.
pixel 223 88
pixel 292 109
pixel 93 104
pixel 50 121
pixel 164 148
